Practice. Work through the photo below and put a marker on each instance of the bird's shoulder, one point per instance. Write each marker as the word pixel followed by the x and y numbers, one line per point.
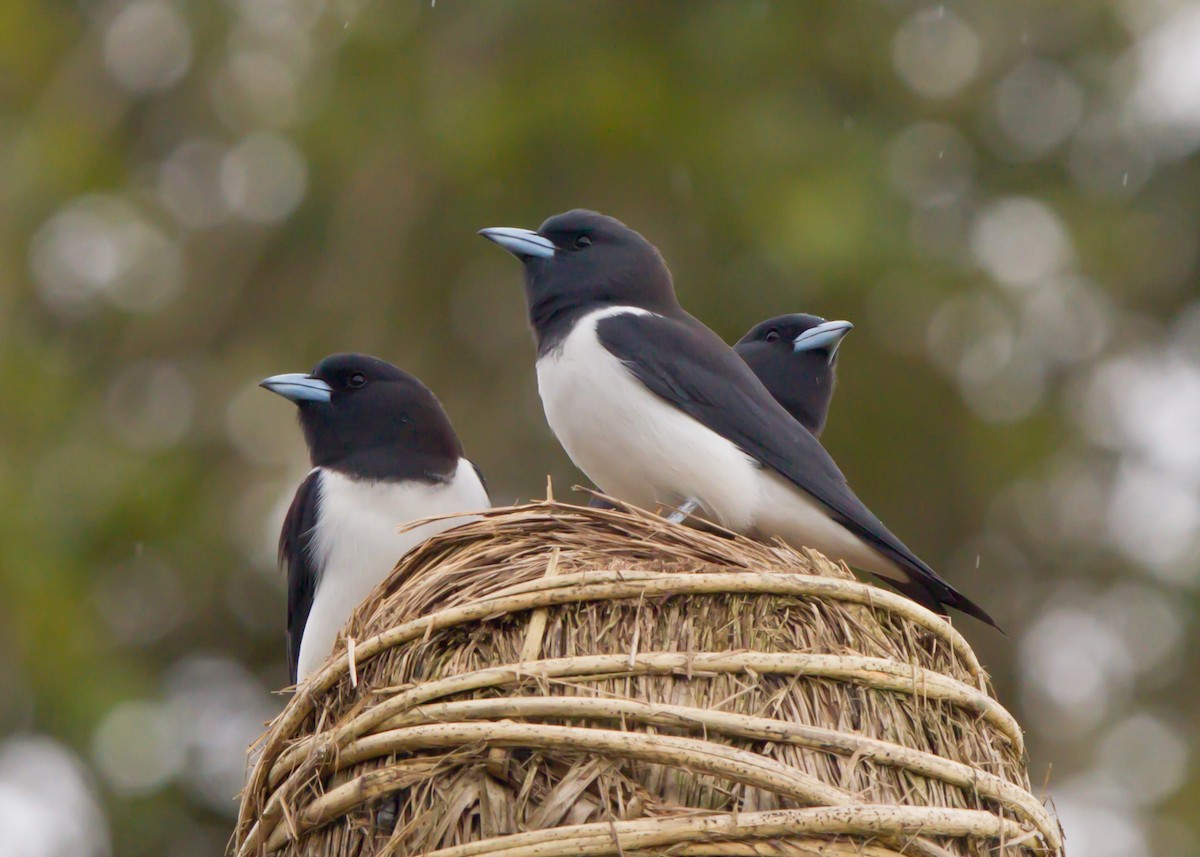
pixel 681 354
pixel 301 517
pixel 478 475
pixel 686 363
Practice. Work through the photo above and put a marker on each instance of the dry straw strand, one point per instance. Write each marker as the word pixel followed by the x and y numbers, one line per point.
pixel 862 820
pixel 550 679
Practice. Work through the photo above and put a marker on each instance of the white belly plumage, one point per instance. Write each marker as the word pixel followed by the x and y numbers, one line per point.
pixel 637 447
pixel 630 442
pixel 356 544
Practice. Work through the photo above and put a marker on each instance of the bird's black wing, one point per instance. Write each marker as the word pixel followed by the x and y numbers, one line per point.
pixel 296 555
pixel 685 363
pixel 482 478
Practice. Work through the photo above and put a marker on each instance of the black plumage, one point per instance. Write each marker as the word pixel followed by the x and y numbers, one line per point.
pixel 795 358
pixel 295 554
pixel 582 267
pixel 383 452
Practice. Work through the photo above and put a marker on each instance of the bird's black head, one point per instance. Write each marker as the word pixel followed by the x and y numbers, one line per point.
pixel 580 261
pixel 364 417
pixel 795 357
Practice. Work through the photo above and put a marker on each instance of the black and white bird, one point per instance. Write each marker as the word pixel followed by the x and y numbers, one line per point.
pixel 657 410
pixel 795 357
pixel 383 453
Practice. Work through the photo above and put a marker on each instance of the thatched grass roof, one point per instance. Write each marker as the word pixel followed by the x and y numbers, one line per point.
pixel 558 680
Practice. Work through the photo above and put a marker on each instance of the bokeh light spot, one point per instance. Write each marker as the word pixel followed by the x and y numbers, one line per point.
pixel 189 184
pixel 1072 660
pixel 219 709
pixel 257 89
pixel 1146 756
pixel 931 163
pixel 1038 105
pixel 1097 821
pixel 148 46
pixel 136 748
pixel 1167 89
pixel 935 52
pixel 1147 403
pixel 254 418
pixel 47 804
pixel 1066 319
pixel 281 19
pixel 150 405
pixel 263 178
pixel 100 246
pixel 1154 520
pixel 139 601
pixel 1108 158
pixel 1019 241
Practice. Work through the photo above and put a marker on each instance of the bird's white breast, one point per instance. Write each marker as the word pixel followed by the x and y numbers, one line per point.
pixel 641 449
pixel 356 543
pixel 632 443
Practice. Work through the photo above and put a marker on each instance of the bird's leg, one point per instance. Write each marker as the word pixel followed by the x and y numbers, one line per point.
pixel 387 813
pixel 686 508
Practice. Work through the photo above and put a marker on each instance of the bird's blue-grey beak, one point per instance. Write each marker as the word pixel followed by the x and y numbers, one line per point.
pixel 827 335
pixel 298 387
pixel 522 243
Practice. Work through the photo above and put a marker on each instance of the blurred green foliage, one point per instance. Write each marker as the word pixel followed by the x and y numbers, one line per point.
pixel 196 195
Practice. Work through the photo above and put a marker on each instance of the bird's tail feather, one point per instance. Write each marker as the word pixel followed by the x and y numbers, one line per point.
pixel 939 598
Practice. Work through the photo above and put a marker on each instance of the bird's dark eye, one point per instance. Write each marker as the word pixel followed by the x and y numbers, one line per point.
pixel 582 241
pixel 772 336
pixel 356 380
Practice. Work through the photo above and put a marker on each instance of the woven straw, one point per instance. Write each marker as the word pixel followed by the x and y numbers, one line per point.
pixel 557 680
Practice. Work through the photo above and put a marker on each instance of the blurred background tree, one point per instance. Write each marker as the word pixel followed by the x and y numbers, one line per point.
pixel 1003 197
